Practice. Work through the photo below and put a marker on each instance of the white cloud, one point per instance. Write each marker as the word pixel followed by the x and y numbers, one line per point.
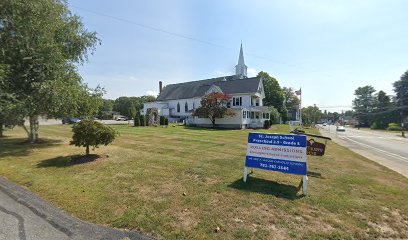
pixel 252 72
pixel 152 93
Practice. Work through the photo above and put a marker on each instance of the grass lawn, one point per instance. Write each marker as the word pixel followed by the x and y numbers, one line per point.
pixel 141 186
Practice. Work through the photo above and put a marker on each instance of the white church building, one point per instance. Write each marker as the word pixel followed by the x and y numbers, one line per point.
pixel 178 101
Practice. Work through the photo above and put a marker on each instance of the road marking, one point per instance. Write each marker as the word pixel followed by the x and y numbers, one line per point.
pixel 396 156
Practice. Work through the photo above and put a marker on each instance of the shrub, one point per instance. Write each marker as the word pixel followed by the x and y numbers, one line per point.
pixel 394 127
pixel 136 120
pixel 91 133
pixel 142 120
pixel 166 121
pixel 267 124
pixel 162 120
pixel 147 120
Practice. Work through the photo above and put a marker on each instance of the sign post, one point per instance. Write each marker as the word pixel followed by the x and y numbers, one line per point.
pixel 277 152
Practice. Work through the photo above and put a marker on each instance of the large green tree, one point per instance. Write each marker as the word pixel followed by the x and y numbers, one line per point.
pixel 401 98
pixel 41 44
pixel 274 94
pixel 364 104
pixel 383 112
pixel 128 106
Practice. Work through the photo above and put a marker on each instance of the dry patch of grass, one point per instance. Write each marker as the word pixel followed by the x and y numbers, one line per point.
pixel 186 183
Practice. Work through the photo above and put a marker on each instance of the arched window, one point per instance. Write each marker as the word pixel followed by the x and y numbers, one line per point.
pixel 186 107
pixel 178 107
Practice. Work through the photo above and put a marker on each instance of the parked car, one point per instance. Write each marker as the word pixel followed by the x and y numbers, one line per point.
pixel 70 120
pixel 324 124
pixel 340 129
pixel 121 119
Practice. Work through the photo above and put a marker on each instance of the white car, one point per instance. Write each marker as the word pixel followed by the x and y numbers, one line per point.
pixel 121 119
pixel 340 129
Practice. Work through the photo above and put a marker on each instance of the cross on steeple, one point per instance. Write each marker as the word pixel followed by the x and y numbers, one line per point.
pixel 241 68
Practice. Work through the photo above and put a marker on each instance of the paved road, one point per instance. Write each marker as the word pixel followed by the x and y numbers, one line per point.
pixel 24 216
pixel 386 148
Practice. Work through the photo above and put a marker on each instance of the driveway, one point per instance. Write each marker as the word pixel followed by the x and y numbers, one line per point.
pixel 24 216
pixel 387 148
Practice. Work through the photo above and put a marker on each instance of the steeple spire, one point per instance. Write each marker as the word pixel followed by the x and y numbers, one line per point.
pixel 241 68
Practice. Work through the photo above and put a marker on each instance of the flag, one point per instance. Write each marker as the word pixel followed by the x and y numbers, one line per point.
pixel 298 92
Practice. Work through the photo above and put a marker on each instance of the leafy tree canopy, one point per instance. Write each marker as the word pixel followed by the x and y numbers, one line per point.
pixel 214 105
pixel 40 43
pixel 91 133
pixel 274 94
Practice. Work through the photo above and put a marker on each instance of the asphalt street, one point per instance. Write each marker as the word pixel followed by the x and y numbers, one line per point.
pixel 387 148
pixel 24 216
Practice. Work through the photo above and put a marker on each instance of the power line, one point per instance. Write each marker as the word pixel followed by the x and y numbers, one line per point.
pixel 179 35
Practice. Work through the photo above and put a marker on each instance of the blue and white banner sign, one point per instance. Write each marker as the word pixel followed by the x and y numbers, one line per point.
pixel 277 152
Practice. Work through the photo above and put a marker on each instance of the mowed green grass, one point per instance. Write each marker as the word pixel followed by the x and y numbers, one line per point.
pixel 141 186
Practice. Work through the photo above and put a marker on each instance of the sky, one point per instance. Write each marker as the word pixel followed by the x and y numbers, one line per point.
pixel 327 48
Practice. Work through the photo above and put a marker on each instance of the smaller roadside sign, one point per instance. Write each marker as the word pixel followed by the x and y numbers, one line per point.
pixel 315 148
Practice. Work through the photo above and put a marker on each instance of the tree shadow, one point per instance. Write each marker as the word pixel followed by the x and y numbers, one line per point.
pixel 67 161
pixel 263 186
pixel 314 174
pixel 17 147
pixel 208 128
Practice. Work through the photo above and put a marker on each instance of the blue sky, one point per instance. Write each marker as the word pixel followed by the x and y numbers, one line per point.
pixel 328 48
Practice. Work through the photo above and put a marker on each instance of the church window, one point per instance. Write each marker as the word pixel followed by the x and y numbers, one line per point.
pixel 237 101
pixel 178 107
pixel 186 107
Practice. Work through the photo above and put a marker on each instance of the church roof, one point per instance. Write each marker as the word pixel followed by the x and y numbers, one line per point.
pixel 229 84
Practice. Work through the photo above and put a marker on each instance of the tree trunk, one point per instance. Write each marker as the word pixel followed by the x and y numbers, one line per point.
pixel 34 125
pixel 213 122
pixel 87 150
pixel 1 129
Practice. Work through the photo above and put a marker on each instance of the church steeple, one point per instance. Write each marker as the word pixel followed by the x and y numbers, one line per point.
pixel 241 68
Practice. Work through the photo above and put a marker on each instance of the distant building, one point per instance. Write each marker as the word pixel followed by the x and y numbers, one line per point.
pixel 178 101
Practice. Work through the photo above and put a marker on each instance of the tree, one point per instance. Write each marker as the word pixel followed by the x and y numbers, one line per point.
pixel 105 109
pixel 41 42
pixel 363 104
pixel 214 105
pixel 136 119
pixel 128 105
pixel 274 115
pixel 274 95
pixel 383 111
pixel 401 98
pixel 311 115
pixel 291 101
pixel 91 133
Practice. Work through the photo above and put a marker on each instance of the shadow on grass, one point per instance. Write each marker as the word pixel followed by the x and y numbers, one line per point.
pixel 263 186
pixel 66 161
pixel 16 147
pixel 314 174
pixel 208 129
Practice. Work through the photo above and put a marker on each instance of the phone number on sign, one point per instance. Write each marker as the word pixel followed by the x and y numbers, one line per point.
pixel 272 166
